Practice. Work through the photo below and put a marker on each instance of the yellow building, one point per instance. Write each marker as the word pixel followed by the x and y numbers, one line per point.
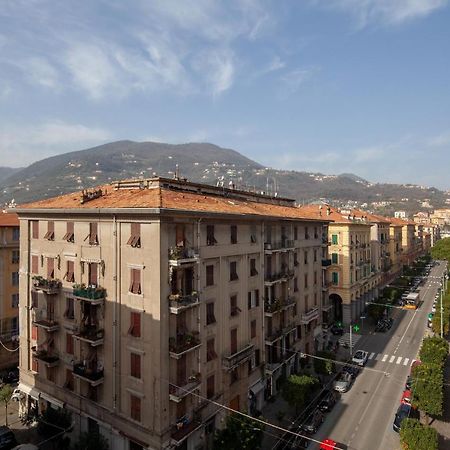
pixel 9 287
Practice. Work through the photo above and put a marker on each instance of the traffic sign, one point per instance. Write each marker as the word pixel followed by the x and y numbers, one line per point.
pixel 355 328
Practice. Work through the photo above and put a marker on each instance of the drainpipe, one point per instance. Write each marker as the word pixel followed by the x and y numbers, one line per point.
pixel 114 327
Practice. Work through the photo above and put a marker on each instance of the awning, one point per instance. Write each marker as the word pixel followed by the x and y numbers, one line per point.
pixel 28 390
pixel 257 387
pixel 52 400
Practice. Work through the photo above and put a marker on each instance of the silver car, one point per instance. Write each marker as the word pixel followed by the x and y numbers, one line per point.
pixel 343 383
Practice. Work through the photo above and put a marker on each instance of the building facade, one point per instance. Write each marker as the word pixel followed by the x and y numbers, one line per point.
pixel 145 303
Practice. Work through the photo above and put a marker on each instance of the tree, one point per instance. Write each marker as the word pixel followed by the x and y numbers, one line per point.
pixel 5 397
pixel 91 441
pixel 54 421
pixel 324 366
pixel 297 389
pixel 415 436
pixel 441 250
pixel 434 350
pixel 239 430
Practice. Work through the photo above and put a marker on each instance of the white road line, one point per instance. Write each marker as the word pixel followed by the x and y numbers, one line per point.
pixel 377 358
pixel 372 355
pixel 405 362
pixel 399 360
pixel 409 324
pixel 392 358
pixel 385 357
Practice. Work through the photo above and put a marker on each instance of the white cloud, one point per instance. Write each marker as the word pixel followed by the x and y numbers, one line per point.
pixel 389 12
pixel 21 146
pixel 442 140
pixel 293 80
pixel 368 154
pixel 40 71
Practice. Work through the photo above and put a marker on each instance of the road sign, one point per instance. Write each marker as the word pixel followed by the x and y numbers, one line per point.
pixel 362 317
pixel 355 328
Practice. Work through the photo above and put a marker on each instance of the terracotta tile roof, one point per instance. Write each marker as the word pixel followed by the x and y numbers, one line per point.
pixel 372 218
pixel 329 213
pixel 172 199
pixel 402 222
pixel 9 219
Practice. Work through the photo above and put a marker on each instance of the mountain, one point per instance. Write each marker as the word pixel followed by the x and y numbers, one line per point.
pixel 205 163
pixel 6 172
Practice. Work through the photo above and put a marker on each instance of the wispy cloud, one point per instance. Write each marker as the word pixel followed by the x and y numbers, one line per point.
pixel 441 140
pixel 294 79
pixel 387 12
pixel 19 145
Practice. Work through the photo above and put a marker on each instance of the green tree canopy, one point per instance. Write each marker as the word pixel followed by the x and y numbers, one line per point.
pixel 297 389
pixel 427 389
pixel 415 436
pixel 239 432
pixel 5 397
pixel 434 350
pixel 324 366
pixel 441 250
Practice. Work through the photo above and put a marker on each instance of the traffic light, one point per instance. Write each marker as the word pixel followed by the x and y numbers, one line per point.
pixel 430 316
pixel 355 328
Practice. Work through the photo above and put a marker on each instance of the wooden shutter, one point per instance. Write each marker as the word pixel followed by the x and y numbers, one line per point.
pixel 135 282
pixel 70 277
pixel 93 233
pixel 35 229
pixel 93 273
pixel 135 403
pixel 210 386
pixel 69 236
pixel 233 336
pixel 135 235
pixel 253 329
pixel 50 267
pixel 135 324
pixel 34 333
pixel 50 235
pixel 180 235
pixel 34 264
pixel 234 403
pixel 50 309
pixel 256 297
pixel 210 350
pixel 135 361
pixel 69 343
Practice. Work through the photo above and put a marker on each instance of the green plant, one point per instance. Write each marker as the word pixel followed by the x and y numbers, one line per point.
pixel 5 397
pixel 415 436
pixel 298 388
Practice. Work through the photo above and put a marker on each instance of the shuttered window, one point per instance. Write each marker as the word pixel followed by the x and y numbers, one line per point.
pixel 135 408
pixel 69 343
pixel 210 317
pixel 50 235
pixel 50 267
pixel 92 237
pixel 35 229
pixel 210 386
pixel 210 350
pixel 135 324
pixel 210 238
pixel 135 236
pixel 209 275
pixel 233 339
pixel 34 264
pixel 135 361
pixel 34 333
pixel 93 274
pixel 253 329
pixel 70 276
pixel 135 281
pixel 70 235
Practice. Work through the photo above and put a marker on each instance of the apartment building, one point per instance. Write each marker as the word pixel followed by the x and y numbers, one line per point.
pixel 145 303
pixel 9 288
pixel 409 248
pixel 395 248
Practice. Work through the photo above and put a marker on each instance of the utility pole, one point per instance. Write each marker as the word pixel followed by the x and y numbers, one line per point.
pixel 442 312
pixel 351 341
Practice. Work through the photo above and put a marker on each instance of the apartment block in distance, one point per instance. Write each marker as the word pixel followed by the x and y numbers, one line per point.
pixel 9 289
pixel 146 303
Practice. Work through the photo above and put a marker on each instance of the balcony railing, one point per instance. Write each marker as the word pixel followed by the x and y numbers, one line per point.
pixel 183 428
pixel 92 376
pixel 284 244
pixel 276 305
pixel 49 358
pixel 92 294
pixel 49 286
pixel 284 275
pixel 177 393
pixel 236 359
pixel 182 344
pixel 46 322
pixel 90 334
pixel 182 255
pixel 309 316
pixel 179 302
pixel 326 262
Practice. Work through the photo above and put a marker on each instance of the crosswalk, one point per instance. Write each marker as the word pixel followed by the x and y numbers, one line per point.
pixel 391 359
pixel 344 340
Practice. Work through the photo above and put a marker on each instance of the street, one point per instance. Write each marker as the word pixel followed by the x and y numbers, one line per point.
pixel 363 417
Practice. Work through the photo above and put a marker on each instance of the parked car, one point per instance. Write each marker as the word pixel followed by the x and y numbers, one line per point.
pixel 352 370
pixel 7 438
pixel 406 397
pixel 313 422
pixel 404 411
pixel 336 330
pixel 408 383
pixel 328 401
pixel 11 376
pixel 330 444
pixel 360 357
pixel 343 383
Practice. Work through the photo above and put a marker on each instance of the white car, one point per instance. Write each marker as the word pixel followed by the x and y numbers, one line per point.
pixel 360 357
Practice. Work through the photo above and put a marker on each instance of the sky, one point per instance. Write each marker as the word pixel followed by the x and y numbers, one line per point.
pixel 331 86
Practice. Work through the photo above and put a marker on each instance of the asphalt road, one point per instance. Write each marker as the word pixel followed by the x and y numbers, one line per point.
pixel 363 417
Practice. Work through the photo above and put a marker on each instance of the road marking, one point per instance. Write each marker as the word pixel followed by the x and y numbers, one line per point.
pixel 392 358
pixel 377 358
pixel 385 357
pixel 399 360
pixel 409 324
pixel 372 355
pixel 405 362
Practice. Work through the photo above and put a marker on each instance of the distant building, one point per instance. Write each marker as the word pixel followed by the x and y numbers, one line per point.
pixel 400 214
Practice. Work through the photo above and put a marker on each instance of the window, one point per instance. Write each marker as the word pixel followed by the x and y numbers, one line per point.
pixel 253 270
pixel 334 239
pixel 306 280
pixel 15 278
pixel 69 344
pixel 15 256
pixel 135 324
pixel 92 237
pixel 295 259
pixel 210 238
pixel 135 364
pixel 334 277
pixel 210 317
pixel 50 267
pixel 210 275
pixel 315 255
pixel 295 284
pixel 135 408
pixel 334 258
pixel 34 299
pixel 305 257
pixel 295 233
pixel 316 234
pixel 70 234
pixel 35 229
pixel 257 357
pixel 210 386
pixel 233 341
pixel 233 234
pixel 253 299
pixel 15 233
pixel 135 235
pixel 93 274
pixel 70 276
pixel 315 277
pixel 69 312
pixel 306 233
pixel 14 300
pixel 233 271
pixel 253 329
pixel 253 234
pixel 135 281
pixel 234 309
pixel 68 384
pixel 34 264
pixel 50 235
pixel 34 333
pixel 210 350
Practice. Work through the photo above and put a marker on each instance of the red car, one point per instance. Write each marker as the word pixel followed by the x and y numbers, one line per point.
pixel 406 397
pixel 329 444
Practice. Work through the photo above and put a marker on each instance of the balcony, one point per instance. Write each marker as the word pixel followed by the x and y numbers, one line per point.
pixel 325 241
pixel 184 428
pixel 272 278
pixel 179 256
pixel 236 359
pixel 49 286
pixel 309 316
pixel 49 358
pixel 277 305
pixel 44 320
pixel 90 334
pixel 92 294
pixel 93 376
pixel 326 262
pixel 277 246
pixel 179 302
pixel 182 344
pixel 176 394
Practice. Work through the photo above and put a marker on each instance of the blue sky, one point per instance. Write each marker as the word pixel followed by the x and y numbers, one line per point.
pixel 333 86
